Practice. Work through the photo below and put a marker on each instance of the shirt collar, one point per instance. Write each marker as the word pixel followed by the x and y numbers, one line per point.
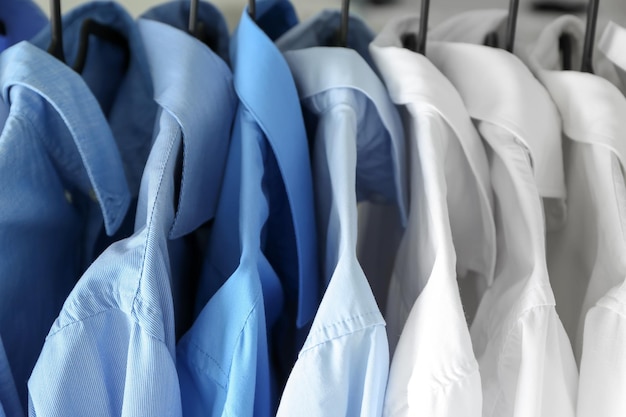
pixel 612 44
pixel 546 54
pixel 214 28
pixel 498 88
pixel 592 109
pixel 266 89
pixel 410 77
pixel 322 30
pixel 22 20
pixel 471 27
pixel 131 113
pixel 30 67
pixel 193 100
pixel 344 68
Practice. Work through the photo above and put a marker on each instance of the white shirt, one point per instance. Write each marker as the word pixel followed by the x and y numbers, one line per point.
pixel 526 364
pixel 434 372
pixel 596 239
pixel 358 146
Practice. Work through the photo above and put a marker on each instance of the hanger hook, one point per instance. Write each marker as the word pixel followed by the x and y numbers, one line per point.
pixel 252 9
pixel 56 31
pixel 345 20
pixel 590 35
pixel 423 30
pixel 511 25
pixel 193 17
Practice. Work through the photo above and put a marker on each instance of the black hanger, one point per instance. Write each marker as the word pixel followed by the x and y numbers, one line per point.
pixel 417 42
pixel 89 27
pixel 511 25
pixel 197 28
pixel 590 35
pixel 56 31
pixel 345 20
pixel 193 17
pixel 252 9
pixel 3 28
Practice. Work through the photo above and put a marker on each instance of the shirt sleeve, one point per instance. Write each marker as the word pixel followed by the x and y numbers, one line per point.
pixel 603 364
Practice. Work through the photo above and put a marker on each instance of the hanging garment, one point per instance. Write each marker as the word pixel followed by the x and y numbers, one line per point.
pixel 586 255
pixel 57 151
pixel 111 351
pixel 526 363
pixel 358 154
pixel 434 371
pixel 613 38
pixel 120 80
pixel 211 25
pixel 263 284
pixel 59 139
pixel 21 20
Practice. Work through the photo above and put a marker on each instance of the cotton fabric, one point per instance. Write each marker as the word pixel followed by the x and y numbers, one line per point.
pixel 111 351
pixel 526 363
pixel 358 149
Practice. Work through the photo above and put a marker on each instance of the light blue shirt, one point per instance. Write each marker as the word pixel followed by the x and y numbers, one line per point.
pixel 261 287
pixel 358 144
pixel 111 351
pixel 211 23
pixel 61 174
pixel 22 20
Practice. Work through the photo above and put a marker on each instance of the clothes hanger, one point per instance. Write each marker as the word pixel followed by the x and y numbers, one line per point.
pixel 196 27
pixel 3 28
pixel 511 26
pixel 590 35
pixel 89 27
pixel 345 19
pixel 252 9
pixel 417 42
pixel 423 31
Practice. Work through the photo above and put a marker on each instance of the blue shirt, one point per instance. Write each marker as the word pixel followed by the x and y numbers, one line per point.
pixel 66 222
pixel 211 23
pixel 260 291
pixel 22 20
pixel 111 351
pixel 122 84
pixel 358 155
pixel 62 173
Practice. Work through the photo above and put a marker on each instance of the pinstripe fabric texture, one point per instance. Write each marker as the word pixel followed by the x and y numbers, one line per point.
pixel 111 351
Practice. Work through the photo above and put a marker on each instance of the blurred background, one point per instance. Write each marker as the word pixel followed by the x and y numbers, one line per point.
pixel 533 14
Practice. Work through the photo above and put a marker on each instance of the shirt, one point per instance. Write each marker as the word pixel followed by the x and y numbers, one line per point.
pixel 111 350
pixel 611 40
pixel 433 370
pixel 211 24
pixel 66 222
pixel 120 80
pixel 526 363
pixel 261 277
pixel 588 249
pixel 358 154
pixel 62 175
pixel 22 20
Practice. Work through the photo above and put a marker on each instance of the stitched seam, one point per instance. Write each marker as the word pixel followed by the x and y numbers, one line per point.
pixel 354 318
pixel 402 408
pixel 610 308
pixel 507 341
pixel 340 336
pixel 149 229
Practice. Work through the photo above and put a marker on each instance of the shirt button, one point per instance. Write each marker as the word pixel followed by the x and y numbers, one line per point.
pixel 69 197
pixel 92 195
